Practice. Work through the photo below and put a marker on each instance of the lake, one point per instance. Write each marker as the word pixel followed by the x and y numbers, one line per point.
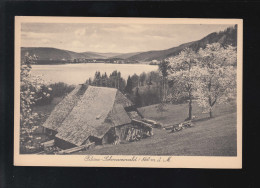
pixel 79 73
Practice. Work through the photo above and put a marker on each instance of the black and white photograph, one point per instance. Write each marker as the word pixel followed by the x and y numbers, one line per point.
pixel 142 92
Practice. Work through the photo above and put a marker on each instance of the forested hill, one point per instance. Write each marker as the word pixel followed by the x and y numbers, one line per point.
pixel 58 54
pixel 226 37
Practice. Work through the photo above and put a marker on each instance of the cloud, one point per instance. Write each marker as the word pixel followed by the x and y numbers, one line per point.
pixel 33 35
pixel 94 34
pixel 125 29
pixel 80 32
pixel 33 39
pixel 77 44
pixel 45 41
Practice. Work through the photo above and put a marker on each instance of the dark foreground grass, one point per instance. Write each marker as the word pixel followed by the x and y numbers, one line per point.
pixel 208 137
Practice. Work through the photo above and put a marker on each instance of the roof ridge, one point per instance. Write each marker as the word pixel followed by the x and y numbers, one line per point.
pixel 103 87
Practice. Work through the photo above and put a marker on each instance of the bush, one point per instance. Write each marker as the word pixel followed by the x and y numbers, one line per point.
pixel 59 89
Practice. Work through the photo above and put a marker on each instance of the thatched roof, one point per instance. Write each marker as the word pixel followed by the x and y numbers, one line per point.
pixel 62 110
pixel 95 113
pixel 118 115
pixel 123 100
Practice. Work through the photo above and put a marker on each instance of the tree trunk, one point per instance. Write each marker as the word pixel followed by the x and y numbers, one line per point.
pixel 190 109
pixel 210 113
pixel 163 90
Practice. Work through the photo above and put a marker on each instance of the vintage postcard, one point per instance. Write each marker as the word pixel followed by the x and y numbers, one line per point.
pixel 128 92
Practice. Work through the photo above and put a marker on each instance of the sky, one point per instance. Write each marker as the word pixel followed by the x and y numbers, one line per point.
pixel 117 38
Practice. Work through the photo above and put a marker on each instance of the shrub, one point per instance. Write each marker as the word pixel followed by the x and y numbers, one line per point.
pixel 59 89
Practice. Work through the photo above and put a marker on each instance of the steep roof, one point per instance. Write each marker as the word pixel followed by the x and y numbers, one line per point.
pixel 123 100
pixel 95 113
pixel 118 115
pixel 62 110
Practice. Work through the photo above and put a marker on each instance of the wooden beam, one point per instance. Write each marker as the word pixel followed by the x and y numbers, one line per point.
pixel 48 143
pixel 75 149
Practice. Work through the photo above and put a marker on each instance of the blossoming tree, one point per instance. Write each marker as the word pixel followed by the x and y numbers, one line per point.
pixel 217 76
pixel 183 70
pixel 30 87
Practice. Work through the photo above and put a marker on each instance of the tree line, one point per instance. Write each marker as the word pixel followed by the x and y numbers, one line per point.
pixel 144 89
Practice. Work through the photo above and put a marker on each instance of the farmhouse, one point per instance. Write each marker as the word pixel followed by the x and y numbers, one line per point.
pixel 95 114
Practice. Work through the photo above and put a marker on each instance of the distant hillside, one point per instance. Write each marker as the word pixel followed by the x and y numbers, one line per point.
pixel 57 54
pixel 107 55
pixel 92 55
pixel 226 37
pixel 158 55
pixel 126 55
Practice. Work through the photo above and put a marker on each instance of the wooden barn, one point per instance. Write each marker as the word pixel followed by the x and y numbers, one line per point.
pixel 95 114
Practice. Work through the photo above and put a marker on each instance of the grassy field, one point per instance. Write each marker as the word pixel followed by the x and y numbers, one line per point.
pixel 178 113
pixel 208 137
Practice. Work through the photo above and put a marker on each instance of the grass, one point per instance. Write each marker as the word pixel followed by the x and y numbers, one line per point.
pixel 208 137
pixel 178 113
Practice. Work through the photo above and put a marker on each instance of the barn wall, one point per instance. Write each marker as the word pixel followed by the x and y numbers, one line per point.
pixel 114 133
pixel 121 132
pixel 133 132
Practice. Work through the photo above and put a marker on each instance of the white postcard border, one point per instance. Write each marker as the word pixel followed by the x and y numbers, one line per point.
pixel 127 160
